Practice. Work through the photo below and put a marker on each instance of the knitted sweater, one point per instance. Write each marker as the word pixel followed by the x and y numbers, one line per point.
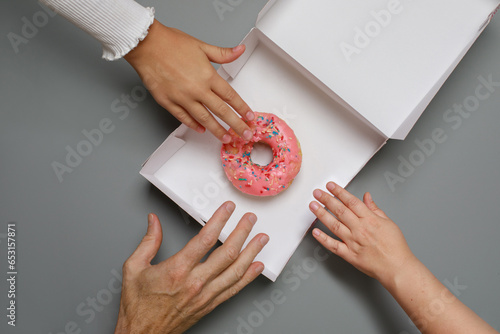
pixel 118 24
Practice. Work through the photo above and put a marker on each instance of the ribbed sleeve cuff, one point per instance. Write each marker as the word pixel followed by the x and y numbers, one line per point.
pixel 118 24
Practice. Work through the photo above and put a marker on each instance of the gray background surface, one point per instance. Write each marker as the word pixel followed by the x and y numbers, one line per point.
pixel 73 236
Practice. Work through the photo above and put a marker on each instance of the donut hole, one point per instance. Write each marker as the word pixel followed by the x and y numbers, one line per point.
pixel 262 154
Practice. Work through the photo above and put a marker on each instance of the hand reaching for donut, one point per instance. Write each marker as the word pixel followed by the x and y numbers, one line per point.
pixel 370 241
pixel 173 295
pixel 176 69
pixel 375 245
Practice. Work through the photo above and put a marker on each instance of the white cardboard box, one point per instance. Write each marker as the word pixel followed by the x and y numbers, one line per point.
pixel 346 76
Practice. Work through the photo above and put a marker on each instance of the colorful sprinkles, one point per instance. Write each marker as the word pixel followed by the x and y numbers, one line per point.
pixel 266 180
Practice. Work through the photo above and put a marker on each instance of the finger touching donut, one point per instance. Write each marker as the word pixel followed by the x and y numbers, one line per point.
pixel 271 179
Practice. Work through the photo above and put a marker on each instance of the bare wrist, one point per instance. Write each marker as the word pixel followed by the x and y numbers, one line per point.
pixel 410 267
pixel 144 44
pixel 121 326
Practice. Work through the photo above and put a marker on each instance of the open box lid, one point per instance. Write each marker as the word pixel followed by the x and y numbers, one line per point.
pixel 386 59
pixel 288 57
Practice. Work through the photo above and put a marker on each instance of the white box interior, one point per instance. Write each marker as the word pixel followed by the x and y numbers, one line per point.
pixel 341 111
pixel 335 146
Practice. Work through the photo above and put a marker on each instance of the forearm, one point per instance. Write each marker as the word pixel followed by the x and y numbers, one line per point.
pixel 374 244
pixel 430 305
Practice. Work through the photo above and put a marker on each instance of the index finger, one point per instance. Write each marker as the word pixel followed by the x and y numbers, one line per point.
pixel 352 202
pixel 225 255
pixel 343 213
pixel 227 93
pixel 200 244
pixel 220 108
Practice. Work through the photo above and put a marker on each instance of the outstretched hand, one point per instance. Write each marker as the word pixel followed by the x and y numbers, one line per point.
pixel 375 245
pixel 173 295
pixel 369 240
pixel 176 68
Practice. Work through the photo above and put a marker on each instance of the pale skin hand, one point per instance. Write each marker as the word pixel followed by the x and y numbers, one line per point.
pixel 176 68
pixel 173 295
pixel 375 245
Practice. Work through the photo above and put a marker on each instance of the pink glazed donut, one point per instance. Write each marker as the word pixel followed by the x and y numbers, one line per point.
pixel 254 179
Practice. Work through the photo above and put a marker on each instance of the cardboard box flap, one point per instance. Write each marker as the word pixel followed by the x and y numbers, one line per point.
pixel 335 146
pixel 296 67
pixel 385 58
pixel 256 37
pixel 264 10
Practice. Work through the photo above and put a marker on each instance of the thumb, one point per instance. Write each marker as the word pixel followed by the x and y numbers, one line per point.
pixel 223 55
pixel 368 200
pixel 150 243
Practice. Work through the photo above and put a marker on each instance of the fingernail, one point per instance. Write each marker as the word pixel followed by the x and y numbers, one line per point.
pixel 250 116
pixel 317 193
pixel 226 138
pixel 247 134
pixel 252 218
pixel 238 48
pixel 259 268
pixel 316 232
pixel 314 206
pixel 330 186
pixel 264 240
pixel 200 129
pixel 230 207
pixel 150 219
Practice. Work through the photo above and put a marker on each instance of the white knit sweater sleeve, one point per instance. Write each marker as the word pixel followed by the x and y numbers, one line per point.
pixel 118 24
